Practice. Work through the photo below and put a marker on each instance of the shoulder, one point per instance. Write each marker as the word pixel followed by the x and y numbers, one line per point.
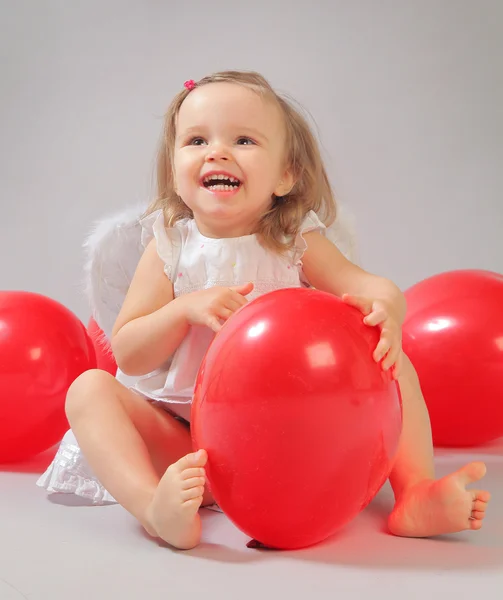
pixel 167 242
pixel 341 234
pixel 311 223
pixel 154 226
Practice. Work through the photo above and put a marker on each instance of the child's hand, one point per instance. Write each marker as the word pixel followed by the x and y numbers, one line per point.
pixel 215 305
pixel 379 313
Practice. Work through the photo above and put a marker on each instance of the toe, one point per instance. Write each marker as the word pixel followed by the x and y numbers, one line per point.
pixel 478 515
pixel 472 472
pixel 481 496
pixel 479 505
pixel 190 461
pixel 475 524
pixel 192 493
pixel 187 484
pixel 200 458
pixel 193 472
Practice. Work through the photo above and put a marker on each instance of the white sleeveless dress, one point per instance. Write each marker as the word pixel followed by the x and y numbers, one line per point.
pixel 192 262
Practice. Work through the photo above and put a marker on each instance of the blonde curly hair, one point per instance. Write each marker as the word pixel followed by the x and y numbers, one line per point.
pixel 278 227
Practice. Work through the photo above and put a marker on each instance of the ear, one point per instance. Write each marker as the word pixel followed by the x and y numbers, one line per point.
pixel 286 184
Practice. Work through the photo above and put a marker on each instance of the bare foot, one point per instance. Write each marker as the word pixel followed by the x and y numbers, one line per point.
pixel 173 514
pixel 444 506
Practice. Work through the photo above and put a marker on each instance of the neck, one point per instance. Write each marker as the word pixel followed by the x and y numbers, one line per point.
pixel 220 228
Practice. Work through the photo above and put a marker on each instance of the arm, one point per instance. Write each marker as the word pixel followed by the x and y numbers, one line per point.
pixel 328 270
pixel 151 324
pixel 380 300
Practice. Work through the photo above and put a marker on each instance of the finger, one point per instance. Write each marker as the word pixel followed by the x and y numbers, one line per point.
pixel 236 301
pixel 391 358
pixel 376 317
pixel 213 323
pixel 362 304
pixel 224 313
pixel 395 347
pixel 397 367
pixel 244 290
pixel 382 349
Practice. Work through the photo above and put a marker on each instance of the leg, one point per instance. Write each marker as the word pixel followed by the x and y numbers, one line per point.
pixel 141 455
pixel 424 506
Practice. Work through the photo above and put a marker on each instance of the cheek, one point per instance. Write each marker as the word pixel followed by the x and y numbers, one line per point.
pixel 266 178
pixel 180 163
pixel 262 170
pixel 184 169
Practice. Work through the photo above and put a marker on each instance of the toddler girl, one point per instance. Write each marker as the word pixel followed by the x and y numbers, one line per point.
pixel 242 208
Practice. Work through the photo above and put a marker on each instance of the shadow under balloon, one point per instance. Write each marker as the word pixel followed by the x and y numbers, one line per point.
pixel 35 464
pixel 366 543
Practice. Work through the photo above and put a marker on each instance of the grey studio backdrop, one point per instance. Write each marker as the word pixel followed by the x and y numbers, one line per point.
pixel 407 95
pixel 407 98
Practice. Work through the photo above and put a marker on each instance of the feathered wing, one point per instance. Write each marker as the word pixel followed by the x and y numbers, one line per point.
pixel 113 249
pixel 342 233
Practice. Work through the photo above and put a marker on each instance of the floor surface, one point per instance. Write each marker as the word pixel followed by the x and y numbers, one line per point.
pixel 53 547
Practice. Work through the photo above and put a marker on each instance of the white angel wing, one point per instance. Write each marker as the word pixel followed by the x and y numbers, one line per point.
pixel 342 233
pixel 113 250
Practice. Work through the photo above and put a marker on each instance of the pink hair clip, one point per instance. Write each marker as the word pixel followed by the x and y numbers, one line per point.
pixel 190 84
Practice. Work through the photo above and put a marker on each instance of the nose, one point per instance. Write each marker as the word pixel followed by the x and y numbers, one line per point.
pixel 217 152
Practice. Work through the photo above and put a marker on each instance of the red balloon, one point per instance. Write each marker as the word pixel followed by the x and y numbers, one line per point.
pixel 300 424
pixel 43 348
pixel 104 356
pixel 453 334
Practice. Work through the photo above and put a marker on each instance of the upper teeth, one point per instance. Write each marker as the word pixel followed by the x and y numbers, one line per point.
pixel 216 177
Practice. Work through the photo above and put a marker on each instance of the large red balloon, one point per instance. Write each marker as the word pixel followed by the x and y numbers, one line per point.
pixel 43 348
pixel 453 335
pixel 300 424
pixel 104 356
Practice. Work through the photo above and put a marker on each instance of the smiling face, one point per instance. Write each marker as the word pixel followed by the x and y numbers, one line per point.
pixel 229 158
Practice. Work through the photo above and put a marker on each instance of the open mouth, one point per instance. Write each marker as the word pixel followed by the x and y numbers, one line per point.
pixel 221 183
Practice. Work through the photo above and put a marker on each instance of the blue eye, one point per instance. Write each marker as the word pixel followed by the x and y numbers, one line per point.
pixel 245 141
